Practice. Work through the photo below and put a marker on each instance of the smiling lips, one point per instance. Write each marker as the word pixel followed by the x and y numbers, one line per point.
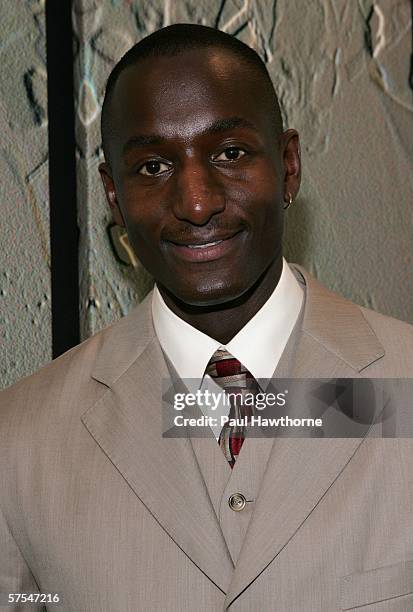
pixel 202 246
pixel 204 251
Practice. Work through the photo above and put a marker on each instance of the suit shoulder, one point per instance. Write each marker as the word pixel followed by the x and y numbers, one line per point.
pixel 376 344
pixel 65 385
pixel 83 355
pixel 397 339
pixel 388 328
pixel 66 379
pixel 70 369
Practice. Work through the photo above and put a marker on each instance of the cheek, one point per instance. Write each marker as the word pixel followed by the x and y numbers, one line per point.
pixel 259 203
pixel 260 183
pixel 143 216
pixel 269 205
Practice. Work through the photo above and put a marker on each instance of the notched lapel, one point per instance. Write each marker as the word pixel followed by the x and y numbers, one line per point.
pixel 127 425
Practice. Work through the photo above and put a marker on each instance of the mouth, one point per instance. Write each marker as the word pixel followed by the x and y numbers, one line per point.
pixel 203 246
pixel 199 251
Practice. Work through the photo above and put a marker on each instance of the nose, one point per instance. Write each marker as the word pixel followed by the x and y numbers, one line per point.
pixel 199 194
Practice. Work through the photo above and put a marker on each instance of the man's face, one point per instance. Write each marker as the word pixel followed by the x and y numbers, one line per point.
pixel 197 174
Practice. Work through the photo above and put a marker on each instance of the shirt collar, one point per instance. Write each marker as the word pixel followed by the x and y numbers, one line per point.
pixel 258 345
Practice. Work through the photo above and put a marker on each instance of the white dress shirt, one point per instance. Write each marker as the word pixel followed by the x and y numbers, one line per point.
pixel 258 345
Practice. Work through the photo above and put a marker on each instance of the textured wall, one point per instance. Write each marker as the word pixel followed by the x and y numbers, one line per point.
pixel 341 69
pixel 346 88
pixel 25 313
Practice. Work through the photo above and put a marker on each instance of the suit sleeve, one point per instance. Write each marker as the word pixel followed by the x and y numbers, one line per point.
pixel 15 575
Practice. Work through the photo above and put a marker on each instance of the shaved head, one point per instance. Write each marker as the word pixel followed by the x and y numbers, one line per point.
pixel 176 40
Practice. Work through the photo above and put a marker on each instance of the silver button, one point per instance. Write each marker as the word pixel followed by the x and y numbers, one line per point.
pixel 237 502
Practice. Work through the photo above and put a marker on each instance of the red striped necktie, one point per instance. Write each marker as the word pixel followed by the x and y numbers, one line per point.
pixel 232 376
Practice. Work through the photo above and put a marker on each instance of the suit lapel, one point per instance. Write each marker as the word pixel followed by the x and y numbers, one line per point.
pixel 127 424
pixel 334 341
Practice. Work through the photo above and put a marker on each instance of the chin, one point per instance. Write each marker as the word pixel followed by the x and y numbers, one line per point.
pixel 216 293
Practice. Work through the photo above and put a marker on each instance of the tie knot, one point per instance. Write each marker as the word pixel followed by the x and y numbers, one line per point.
pixel 228 372
pixel 222 365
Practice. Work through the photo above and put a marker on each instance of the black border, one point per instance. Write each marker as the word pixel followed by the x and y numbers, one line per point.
pixel 64 231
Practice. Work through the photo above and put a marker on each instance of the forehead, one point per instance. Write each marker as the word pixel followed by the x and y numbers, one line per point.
pixel 176 95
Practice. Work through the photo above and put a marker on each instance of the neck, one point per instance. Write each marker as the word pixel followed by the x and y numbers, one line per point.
pixel 223 321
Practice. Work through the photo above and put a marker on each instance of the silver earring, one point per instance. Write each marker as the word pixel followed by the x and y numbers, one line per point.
pixel 289 202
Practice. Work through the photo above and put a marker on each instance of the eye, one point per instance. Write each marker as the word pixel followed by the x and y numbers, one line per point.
pixel 230 154
pixel 153 167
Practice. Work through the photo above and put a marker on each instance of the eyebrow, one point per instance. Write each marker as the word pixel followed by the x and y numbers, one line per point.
pixel 222 125
pixel 142 141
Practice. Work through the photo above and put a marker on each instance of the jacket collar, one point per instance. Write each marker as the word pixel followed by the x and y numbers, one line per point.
pixel 337 324
pixel 329 320
pixel 123 342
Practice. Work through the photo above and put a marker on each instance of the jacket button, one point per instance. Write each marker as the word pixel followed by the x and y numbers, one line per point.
pixel 237 502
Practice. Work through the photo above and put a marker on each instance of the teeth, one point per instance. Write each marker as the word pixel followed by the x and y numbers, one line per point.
pixel 203 246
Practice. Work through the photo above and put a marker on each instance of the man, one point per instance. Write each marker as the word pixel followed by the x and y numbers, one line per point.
pixel 101 509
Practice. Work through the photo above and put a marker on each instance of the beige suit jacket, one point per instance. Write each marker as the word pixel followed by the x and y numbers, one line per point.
pixel 98 507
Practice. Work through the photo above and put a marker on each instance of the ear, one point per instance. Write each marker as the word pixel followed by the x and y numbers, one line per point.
pixel 109 186
pixel 292 164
